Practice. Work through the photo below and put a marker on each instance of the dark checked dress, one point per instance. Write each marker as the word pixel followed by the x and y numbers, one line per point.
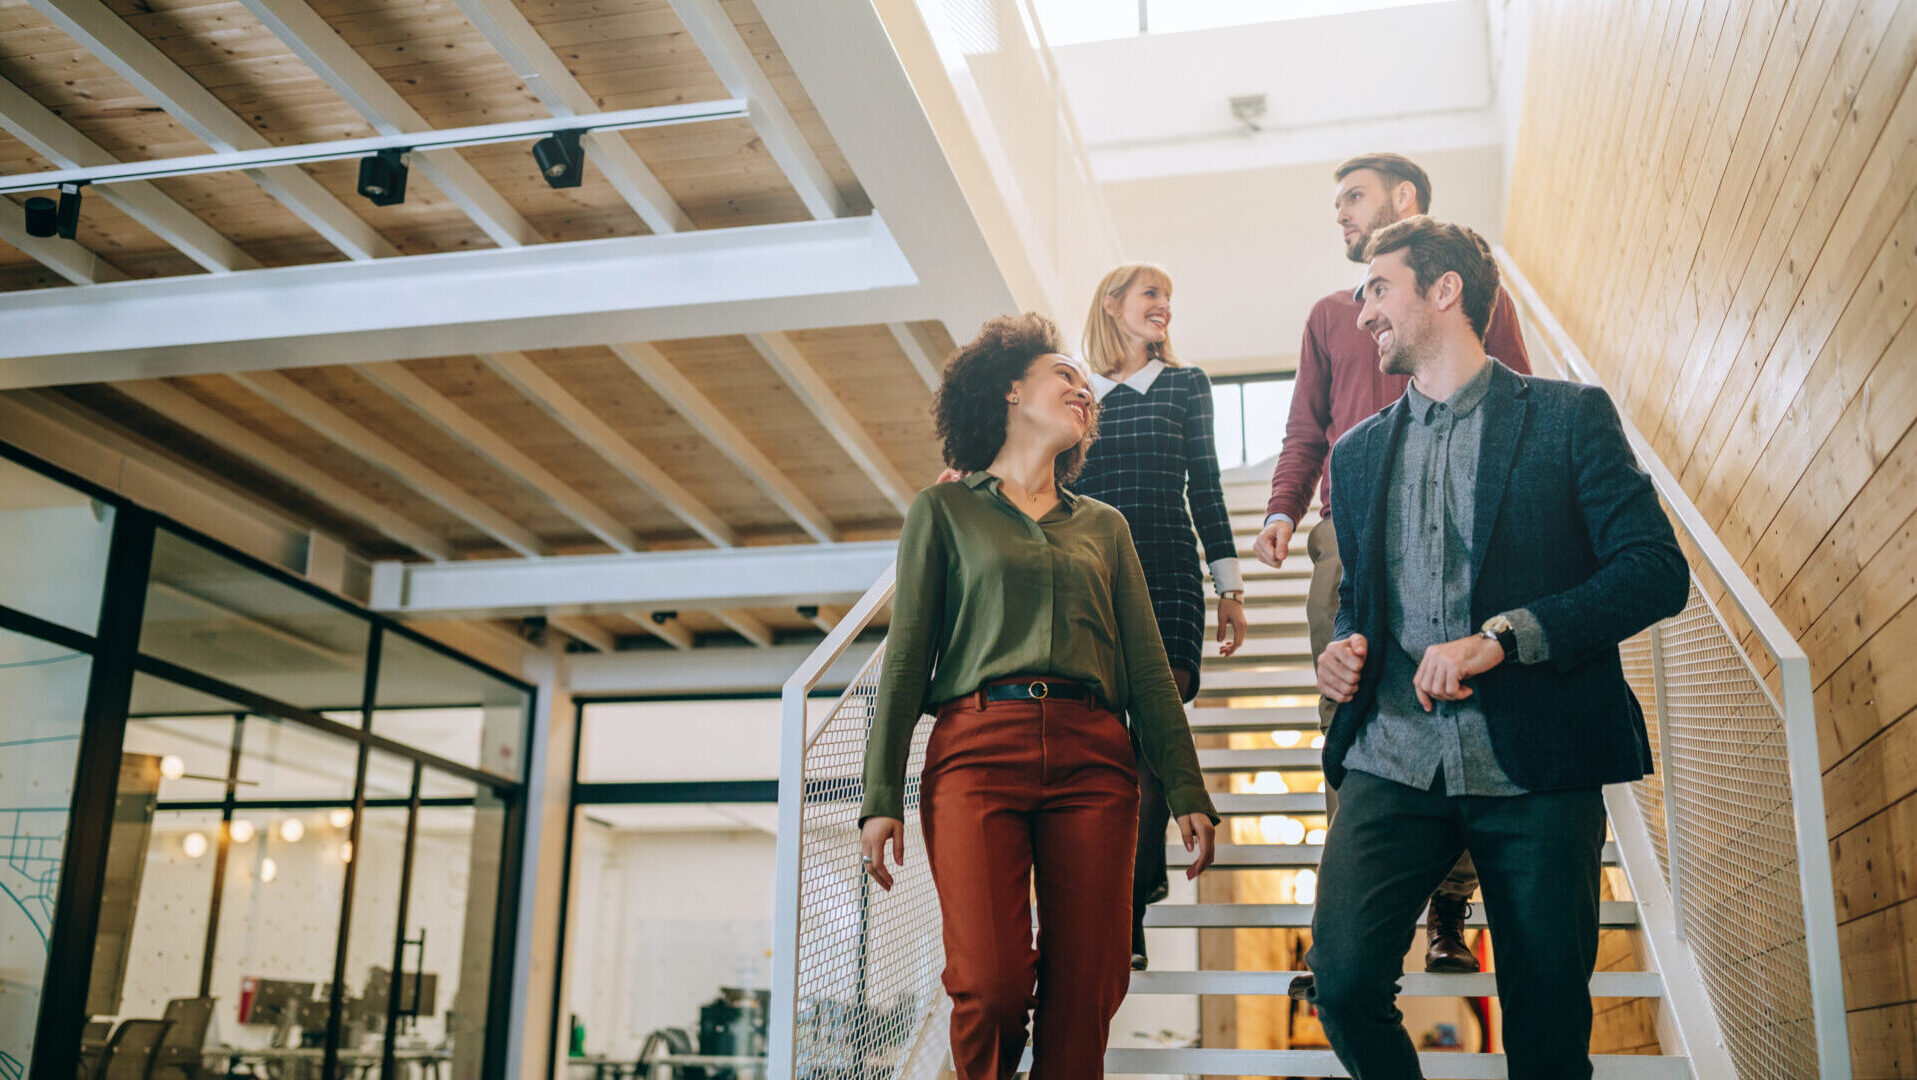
pixel 1154 451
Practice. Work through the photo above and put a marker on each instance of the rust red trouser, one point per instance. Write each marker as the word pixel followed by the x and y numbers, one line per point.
pixel 1017 793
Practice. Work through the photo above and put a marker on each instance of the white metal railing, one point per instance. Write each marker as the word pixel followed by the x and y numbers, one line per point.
pixel 1725 847
pixel 856 992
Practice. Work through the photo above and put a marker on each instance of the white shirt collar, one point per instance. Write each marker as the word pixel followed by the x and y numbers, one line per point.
pixel 1140 381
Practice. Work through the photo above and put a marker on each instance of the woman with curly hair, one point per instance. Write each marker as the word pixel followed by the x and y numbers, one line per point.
pixel 1023 622
pixel 1155 453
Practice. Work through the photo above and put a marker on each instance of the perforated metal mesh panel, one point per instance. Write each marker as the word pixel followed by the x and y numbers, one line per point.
pixel 1640 671
pixel 869 1000
pixel 1732 854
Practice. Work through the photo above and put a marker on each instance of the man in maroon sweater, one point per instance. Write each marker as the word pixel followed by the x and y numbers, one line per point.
pixel 1338 385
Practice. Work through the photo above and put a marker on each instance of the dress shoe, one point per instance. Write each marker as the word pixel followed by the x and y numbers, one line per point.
pixel 1139 959
pixel 1444 926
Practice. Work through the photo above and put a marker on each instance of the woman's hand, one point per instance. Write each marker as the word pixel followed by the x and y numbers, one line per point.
pixel 948 476
pixel 872 843
pixel 1231 616
pixel 1197 831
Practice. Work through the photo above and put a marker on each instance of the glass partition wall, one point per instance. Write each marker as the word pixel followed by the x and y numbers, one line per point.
pixel 251 829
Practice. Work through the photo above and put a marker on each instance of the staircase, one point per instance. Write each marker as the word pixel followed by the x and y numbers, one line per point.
pixel 1236 698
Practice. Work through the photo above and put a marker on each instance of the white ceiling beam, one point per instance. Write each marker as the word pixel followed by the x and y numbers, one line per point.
pixel 785 575
pixel 590 292
pixel 845 429
pixel 1231 150
pixel 67 258
pixel 919 352
pixel 308 409
pixel 670 631
pixel 713 31
pixel 302 30
pixel 61 143
pixel 167 85
pixel 911 143
pixel 586 426
pixel 698 410
pixel 546 75
pixel 740 669
pixel 182 409
pixel 746 626
pixel 585 633
pixel 496 448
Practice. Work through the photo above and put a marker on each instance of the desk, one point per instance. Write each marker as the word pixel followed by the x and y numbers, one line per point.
pixel 303 1062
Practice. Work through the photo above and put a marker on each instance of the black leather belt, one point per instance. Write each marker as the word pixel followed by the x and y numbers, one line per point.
pixel 1038 689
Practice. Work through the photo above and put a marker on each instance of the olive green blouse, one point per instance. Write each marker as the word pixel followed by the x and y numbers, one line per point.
pixel 985 592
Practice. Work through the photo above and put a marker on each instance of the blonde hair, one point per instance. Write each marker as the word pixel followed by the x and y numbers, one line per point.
pixel 1104 343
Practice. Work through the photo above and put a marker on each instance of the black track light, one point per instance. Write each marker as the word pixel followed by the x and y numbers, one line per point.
pixel 561 159
pixel 382 177
pixel 47 219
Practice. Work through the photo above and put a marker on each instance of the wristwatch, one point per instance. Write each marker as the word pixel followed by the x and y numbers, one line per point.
pixel 1232 594
pixel 1499 629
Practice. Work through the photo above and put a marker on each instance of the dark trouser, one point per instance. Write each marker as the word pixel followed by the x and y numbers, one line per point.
pixel 1149 880
pixel 1020 795
pixel 1321 616
pixel 1539 856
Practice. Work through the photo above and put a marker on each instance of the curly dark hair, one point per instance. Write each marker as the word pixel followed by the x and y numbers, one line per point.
pixel 970 406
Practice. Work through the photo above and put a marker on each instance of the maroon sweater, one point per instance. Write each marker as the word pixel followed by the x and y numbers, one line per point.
pixel 1339 384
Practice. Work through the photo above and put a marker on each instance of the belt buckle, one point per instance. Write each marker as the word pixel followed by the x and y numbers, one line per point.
pixel 1039 690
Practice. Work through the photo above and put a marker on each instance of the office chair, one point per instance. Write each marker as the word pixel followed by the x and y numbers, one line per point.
pixel 133 1050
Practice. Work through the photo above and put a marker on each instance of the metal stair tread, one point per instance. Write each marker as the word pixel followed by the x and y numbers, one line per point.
pixel 1285 856
pixel 1275 679
pixel 1604 984
pixel 1612 915
pixel 1290 802
pixel 1203 718
pixel 1295 758
pixel 1198 1061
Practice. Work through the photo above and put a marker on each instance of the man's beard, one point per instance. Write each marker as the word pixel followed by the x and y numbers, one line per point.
pixel 1399 359
pixel 1355 251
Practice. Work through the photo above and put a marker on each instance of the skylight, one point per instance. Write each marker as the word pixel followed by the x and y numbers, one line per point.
pixel 1077 22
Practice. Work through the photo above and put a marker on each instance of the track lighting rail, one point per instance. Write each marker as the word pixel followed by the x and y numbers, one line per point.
pixel 342 149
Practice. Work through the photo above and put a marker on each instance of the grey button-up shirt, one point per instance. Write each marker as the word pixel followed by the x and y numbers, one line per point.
pixel 1429 511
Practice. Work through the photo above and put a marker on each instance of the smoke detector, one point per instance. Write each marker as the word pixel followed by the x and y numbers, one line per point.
pixel 1248 109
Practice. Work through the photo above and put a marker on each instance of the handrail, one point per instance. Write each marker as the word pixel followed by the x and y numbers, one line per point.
pixel 796 734
pixel 1797 710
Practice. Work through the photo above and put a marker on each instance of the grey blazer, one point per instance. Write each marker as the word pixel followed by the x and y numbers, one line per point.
pixel 1567 525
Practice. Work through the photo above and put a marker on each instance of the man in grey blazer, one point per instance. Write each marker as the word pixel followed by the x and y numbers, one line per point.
pixel 1502 542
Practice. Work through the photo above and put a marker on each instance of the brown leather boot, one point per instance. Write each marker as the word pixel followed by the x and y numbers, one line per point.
pixel 1444 926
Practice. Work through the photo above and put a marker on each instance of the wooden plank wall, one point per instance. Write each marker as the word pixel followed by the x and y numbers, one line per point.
pixel 1719 200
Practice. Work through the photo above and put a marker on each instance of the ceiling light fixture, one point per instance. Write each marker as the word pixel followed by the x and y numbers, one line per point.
pixel 382 177
pixel 562 161
pixel 47 219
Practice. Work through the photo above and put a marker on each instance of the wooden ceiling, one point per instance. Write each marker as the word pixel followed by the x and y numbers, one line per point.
pixel 503 455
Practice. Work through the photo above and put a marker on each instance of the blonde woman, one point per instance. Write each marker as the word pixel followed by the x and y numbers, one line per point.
pixel 1155 455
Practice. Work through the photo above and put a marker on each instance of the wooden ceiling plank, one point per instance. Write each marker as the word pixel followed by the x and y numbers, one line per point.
pixel 669 631
pixel 713 31
pixel 669 383
pixel 67 258
pixel 584 632
pixel 392 377
pixel 586 426
pixel 917 350
pixel 546 75
pixel 306 407
pixel 141 63
pixel 745 625
pixel 61 143
pixel 845 429
pixel 825 617
pixel 186 411
pixel 302 30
